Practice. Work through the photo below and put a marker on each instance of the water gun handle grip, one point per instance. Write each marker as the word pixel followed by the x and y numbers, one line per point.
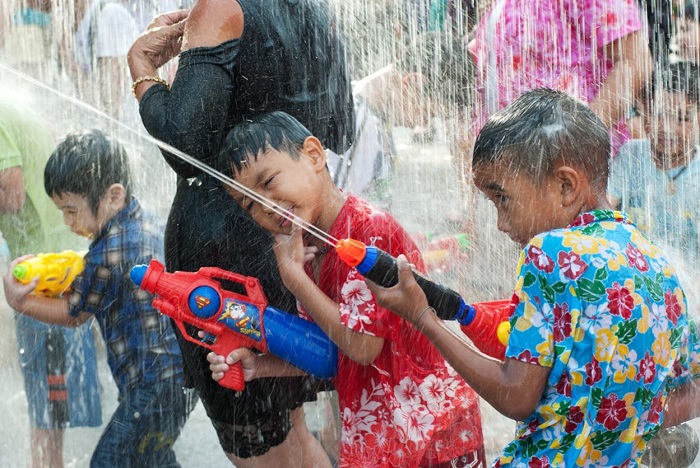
pixel 448 304
pixel 233 378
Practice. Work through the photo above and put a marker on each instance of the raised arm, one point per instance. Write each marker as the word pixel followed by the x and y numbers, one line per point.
pixel 360 347
pixel 192 115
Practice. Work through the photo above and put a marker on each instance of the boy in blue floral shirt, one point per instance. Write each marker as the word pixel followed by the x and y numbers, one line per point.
pixel 599 327
pixel 88 179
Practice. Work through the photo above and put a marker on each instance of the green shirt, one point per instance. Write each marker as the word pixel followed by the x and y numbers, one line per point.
pixel 26 142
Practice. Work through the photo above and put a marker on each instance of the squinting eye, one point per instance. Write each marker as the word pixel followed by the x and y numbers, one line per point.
pixel 269 181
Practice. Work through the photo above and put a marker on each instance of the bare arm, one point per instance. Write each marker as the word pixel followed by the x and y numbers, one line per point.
pixel 360 347
pixel 512 387
pixel 631 70
pixel 254 366
pixel 682 404
pixel 12 194
pixel 208 24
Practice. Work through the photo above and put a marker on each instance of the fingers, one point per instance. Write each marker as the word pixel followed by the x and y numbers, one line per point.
pixel 18 260
pixel 406 277
pixel 168 19
pixel 217 366
pixel 238 355
pixel 310 252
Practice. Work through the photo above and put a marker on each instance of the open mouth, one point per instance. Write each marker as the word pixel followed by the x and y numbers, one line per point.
pixel 285 222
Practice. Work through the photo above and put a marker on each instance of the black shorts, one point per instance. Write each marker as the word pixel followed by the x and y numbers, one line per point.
pixel 255 428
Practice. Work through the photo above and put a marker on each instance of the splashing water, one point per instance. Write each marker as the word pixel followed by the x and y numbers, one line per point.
pixel 398 52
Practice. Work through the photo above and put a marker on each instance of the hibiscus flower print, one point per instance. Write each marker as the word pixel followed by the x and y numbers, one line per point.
pixel 580 243
pixel 636 259
pixel 537 462
pixel 415 422
pixel 624 364
pixel 673 307
pixel 596 317
pixel 434 392
pixel 380 437
pixel 593 372
pixel 571 264
pixel 575 418
pixel 541 260
pixel 542 320
pixel 355 292
pixel 562 322
pixel 612 412
pixel 620 300
pixel 647 369
pixel 407 392
pixel 351 432
pixel 658 320
pixel 352 318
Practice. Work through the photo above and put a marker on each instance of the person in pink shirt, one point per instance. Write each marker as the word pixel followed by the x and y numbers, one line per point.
pixel 595 50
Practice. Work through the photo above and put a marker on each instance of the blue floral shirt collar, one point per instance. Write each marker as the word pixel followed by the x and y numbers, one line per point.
pixel 597 216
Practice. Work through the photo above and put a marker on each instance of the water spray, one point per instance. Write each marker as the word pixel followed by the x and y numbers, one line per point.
pixel 371 262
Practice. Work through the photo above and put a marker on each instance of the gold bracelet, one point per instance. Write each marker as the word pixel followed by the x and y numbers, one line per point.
pixel 140 80
pixel 420 316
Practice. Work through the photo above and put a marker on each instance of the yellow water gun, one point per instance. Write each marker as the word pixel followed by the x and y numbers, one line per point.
pixel 56 271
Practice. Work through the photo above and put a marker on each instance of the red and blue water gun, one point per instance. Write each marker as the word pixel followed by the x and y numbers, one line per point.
pixel 234 321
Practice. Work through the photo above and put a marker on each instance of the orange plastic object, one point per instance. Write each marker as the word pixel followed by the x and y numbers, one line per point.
pixel 351 251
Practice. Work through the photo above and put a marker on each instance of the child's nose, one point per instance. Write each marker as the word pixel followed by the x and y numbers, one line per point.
pixel 503 224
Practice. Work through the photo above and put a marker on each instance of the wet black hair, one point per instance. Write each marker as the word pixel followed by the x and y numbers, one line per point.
pixel 87 163
pixel 269 131
pixel 541 127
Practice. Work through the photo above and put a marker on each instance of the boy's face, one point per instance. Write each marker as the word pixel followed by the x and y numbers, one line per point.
pixel 671 121
pixel 524 208
pixel 78 215
pixel 292 184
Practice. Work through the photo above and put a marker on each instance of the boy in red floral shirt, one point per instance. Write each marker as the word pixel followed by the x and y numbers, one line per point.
pixel 400 403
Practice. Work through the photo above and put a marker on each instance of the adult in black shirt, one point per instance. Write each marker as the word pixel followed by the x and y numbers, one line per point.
pixel 239 58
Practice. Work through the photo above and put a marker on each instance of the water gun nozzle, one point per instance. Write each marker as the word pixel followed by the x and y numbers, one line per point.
pixel 20 272
pixel 351 251
pixel 137 273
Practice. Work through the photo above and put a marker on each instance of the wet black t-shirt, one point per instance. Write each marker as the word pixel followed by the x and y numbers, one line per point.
pixel 290 59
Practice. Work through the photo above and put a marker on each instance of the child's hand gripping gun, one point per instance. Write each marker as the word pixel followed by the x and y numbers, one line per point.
pixel 485 323
pixel 56 271
pixel 235 321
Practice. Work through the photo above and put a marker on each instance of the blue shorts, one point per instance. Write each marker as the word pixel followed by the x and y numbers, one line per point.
pixel 145 426
pixel 71 399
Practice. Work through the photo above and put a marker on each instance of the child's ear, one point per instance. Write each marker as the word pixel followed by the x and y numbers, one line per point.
pixel 116 196
pixel 569 182
pixel 314 150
